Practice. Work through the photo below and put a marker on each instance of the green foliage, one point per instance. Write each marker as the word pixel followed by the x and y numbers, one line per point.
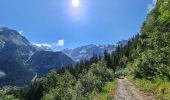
pixel 107 59
pixel 107 92
pixel 147 54
pixel 154 59
pixel 5 96
pixel 95 78
pixel 67 86
pixel 33 92
pixel 8 97
pixel 61 86
pixel 125 54
pixel 159 87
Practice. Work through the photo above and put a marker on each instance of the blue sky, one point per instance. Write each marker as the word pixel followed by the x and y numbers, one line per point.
pixel 58 24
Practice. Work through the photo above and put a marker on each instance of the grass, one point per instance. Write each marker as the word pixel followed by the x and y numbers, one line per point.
pixel 159 88
pixel 108 91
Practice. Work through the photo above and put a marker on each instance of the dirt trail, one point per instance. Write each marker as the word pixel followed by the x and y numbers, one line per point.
pixel 127 91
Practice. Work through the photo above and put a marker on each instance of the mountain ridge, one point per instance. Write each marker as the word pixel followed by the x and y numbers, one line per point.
pixel 87 51
pixel 16 54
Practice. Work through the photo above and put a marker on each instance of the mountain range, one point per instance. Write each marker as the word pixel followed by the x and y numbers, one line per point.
pixel 21 60
pixel 87 51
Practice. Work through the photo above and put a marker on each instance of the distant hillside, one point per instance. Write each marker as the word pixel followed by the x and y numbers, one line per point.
pixel 16 51
pixel 42 62
pixel 14 45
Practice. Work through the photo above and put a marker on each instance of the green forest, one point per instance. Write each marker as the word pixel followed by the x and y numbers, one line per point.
pixel 145 60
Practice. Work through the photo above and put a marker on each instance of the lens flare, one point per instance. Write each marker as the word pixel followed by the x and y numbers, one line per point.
pixel 75 3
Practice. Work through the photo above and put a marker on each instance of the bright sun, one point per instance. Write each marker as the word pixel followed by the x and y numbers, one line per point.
pixel 75 3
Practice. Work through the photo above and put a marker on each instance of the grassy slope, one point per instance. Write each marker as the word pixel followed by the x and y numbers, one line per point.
pixel 107 92
pixel 160 88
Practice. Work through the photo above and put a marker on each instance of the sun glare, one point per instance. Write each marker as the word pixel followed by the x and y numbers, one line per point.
pixel 75 3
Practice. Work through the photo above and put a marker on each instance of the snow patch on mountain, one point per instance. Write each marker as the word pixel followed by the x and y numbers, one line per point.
pixel 2 74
